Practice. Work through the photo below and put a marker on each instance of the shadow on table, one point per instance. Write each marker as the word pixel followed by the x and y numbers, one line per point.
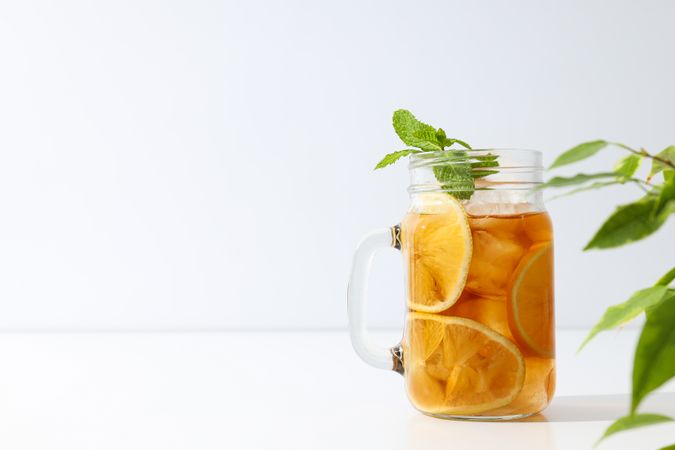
pixel 590 408
pixel 427 433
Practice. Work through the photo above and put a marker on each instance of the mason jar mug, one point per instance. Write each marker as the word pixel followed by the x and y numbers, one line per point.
pixel 477 246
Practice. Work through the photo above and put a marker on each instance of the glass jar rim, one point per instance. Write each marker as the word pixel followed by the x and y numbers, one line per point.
pixel 517 158
pixel 464 171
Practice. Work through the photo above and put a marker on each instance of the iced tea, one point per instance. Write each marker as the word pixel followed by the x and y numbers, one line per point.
pixel 491 353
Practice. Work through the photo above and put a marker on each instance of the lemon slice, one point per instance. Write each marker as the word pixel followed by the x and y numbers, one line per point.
pixel 530 303
pixel 458 366
pixel 436 241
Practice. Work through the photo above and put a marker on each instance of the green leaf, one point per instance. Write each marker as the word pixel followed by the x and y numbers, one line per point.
pixel 657 166
pixel 617 315
pixel 455 175
pixel 426 140
pixel 667 278
pixel 415 133
pixel 581 151
pixel 670 447
pixel 483 173
pixel 488 160
pixel 441 137
pixel 633 421
pixel 626 167
pixel 574 180
pixel 481 163
pixel 449 142
pixel 666 199
pixel 654 362
pixel 642 300
pixel 391 158
pixel 629 223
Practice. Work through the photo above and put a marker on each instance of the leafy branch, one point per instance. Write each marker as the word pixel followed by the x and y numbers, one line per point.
pixel 654 361
pixel 662 158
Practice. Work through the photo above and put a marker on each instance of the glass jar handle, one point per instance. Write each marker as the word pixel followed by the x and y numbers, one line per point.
pixel 370 352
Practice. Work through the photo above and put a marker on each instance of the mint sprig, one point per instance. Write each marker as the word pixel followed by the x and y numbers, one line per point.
pixel 391 158
pixel 455 171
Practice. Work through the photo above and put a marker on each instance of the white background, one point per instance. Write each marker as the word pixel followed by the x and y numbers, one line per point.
pixel 207 165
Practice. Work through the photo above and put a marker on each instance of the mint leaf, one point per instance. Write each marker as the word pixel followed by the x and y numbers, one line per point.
pixel 391 158
pixel 415 133
pixel 449 142
pixel 654 362
pixel 670 447
pixel 455 176
pixel 483 173
pixel 657 166
pixel 667 278
pixel 623 312
pixel 441 137
pixel 481 162
pixel 633 421
pixel 581 151
pixel 488 160
pixel 426 140
pixel 626 167
pixel 630 223
pixel 574 180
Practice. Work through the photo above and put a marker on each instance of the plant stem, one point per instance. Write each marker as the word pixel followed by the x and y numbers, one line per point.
pixel 640 181
pixel 643 152
pixel 642 188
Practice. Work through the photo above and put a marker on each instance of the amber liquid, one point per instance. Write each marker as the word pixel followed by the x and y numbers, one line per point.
pixel 509 288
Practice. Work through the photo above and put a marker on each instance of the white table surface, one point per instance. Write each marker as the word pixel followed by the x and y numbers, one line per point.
pixel 276 390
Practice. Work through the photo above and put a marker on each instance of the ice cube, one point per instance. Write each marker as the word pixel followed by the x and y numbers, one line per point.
pixel 491 312
pixel 495 256
pixel 500 203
